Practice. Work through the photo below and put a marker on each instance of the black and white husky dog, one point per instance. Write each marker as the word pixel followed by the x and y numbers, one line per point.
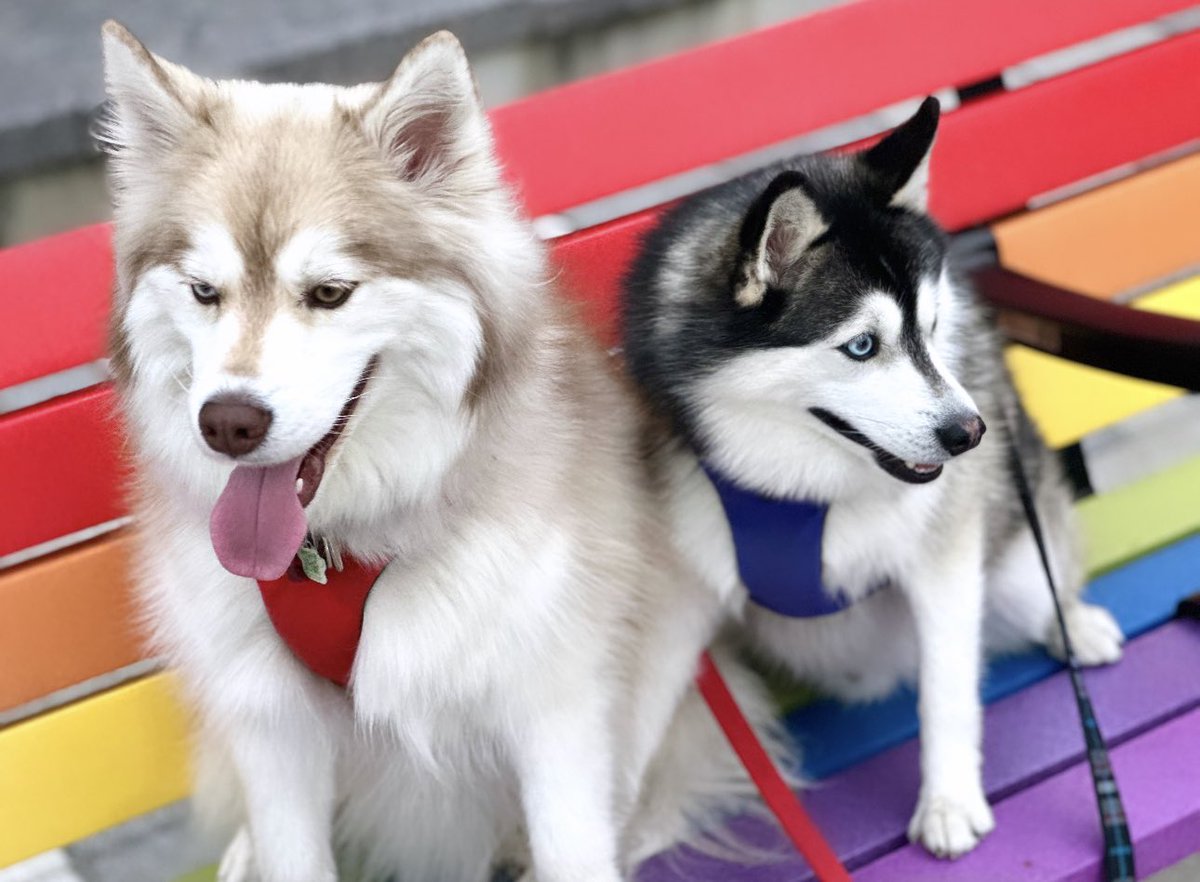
pixel 805 332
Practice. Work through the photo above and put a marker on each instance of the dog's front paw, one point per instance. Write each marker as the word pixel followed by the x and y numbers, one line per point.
pixel 949 826
pixel 237 864
pixel 1095 635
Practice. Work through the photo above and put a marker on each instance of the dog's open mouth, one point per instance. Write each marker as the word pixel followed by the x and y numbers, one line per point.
pixel 258 523
pixel 910 472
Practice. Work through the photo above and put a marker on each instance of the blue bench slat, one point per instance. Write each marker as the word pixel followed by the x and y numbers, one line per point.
pixel 1141 595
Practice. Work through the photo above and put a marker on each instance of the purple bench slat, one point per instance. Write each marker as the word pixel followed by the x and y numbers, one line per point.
pixel 1050 833
pixel 1031 734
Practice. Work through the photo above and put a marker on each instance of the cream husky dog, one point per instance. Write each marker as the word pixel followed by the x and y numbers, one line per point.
pixel 329 289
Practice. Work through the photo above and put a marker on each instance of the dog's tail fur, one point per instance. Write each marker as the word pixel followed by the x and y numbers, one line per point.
pixel 696 780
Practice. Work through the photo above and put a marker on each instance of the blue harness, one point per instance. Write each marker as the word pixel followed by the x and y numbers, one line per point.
pixel 778 546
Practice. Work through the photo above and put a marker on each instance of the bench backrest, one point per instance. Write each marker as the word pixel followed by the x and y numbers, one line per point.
pixel 64 614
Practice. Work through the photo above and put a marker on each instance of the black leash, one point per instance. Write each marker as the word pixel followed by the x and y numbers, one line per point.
pixel 1118 846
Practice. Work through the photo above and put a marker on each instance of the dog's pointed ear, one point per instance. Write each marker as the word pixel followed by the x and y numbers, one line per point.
pixel 428 117
pixel 779 227
pixel 900 162
pixel 151 101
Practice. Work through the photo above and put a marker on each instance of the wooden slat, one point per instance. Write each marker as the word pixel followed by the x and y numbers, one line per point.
pixel 1051 832
pixel 110 758
pixel 53 303
pixel 1130 521
pixel 864 810
pixel 1027 738
pixel 1181 299
pixel 1113 239
pixel 66 618
pixel 1002 151
pixel 1141 595
pixel 72 772
pixel 592 264
pixel 993 155
pixel 1069 400
pixel 610 133
pixel 613 132
pixel 62 472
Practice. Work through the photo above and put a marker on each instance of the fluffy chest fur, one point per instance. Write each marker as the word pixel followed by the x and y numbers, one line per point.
pixel 872 539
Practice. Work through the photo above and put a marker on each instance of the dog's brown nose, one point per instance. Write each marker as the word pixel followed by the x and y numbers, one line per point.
pixel 233 425
pixel 960 435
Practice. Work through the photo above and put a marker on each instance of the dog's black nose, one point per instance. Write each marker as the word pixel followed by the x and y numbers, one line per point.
pixel 233 425
pixel 959 436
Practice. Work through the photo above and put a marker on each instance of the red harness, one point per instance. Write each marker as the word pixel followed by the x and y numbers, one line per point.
pixel 322 625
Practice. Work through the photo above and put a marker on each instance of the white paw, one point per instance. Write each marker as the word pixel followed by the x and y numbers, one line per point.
pixel 237 864
pixel 1095 635
pixel 950 826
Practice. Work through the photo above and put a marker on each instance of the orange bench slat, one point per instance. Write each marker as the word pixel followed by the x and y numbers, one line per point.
pixel 66 618
pixel 1086 243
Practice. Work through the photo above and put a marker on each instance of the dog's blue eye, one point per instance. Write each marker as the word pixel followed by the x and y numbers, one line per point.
pixel 861 347
pixel 205 293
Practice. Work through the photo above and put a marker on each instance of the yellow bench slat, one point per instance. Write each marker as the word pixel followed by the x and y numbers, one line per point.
pixel 1069 400
pixel 70 773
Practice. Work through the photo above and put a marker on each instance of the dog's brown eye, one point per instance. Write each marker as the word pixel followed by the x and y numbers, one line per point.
pixel 205 293
pixel 329 295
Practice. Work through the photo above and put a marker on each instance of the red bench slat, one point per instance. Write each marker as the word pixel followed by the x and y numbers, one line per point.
pixel 74 480
pixel 602 135
pixel 1000 152
pixel 61 468
pixel 593 262
pixel 54 303
pixel 991 156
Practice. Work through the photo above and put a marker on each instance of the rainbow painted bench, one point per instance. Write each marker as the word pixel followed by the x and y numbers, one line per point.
pixel 1075 195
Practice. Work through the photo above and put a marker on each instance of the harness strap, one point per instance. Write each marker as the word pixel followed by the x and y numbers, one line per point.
pixel 780 799
pixel 322 624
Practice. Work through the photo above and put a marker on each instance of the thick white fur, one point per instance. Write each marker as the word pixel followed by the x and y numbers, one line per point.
pixel 926 540
pixel 522 688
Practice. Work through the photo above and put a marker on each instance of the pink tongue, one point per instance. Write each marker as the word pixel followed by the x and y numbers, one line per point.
pixel 258 524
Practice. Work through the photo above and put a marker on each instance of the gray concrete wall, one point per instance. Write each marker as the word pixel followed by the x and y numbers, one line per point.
pixel 52 180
